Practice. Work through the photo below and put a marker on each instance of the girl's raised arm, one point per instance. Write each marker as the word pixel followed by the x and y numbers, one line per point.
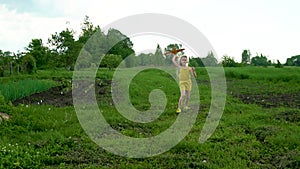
pixel 174 62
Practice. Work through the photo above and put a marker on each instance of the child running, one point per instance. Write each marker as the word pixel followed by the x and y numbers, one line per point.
pixel 185 82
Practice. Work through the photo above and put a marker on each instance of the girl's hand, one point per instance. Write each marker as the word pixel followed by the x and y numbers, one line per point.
pixel 193 71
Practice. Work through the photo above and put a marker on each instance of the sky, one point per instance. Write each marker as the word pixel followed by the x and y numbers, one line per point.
pixel 268 27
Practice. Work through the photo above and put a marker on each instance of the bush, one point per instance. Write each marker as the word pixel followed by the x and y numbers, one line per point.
pixel 29 64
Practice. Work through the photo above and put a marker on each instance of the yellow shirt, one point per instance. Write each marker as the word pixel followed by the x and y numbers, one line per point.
pixel 184 74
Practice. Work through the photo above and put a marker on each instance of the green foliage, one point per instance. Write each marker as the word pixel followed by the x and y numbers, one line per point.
pixel 149 59
pixel 131 61
pixel 246 57
pixel 88 30
pixel 236 75
pixel 121 44
pixel 1 72
pixel 145 59
pixel 196 62
pixel 293 61
pixel 278 65
pixel 148 80
pixel 29 64
pixel 20 156
pixel 228 61
pixel 210 60
pixel 158 58
pixel 14 90
pixel 64 48
pixel 111 61
pixel 271 74
pixel 7 60
pixel 260 61
pixel 5 106
pixel 38 51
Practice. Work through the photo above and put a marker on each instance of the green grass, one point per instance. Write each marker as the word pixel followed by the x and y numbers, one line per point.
pixel 285 74
pixel 248 135
pixel 13 90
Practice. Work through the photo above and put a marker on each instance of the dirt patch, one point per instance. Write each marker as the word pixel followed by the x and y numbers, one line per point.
pixel 60 97
pixel 54 96
pixel 291 100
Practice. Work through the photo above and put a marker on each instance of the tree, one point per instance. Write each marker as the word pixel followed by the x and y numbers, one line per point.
pixel 111 61
pixel 210 60
pixel 158 58
pixel 193 62
pixel 38 51
pixel 85 62
pixel 131 61
pixel 260 61
pixel 120 44
pixel 145 59
pixel 88 30
pixel 29 63
pixel 246 57
pixel 92 40
pixel 7 60
pixel 228 61
pixel 293 61
pixel 63 43
pixel 196 62
pixel 278 65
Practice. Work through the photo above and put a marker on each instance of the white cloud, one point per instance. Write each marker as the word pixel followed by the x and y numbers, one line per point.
pixel 267 27
pixel 18 29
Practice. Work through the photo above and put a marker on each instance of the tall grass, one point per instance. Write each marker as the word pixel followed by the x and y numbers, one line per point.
pixel 14 90
pixel 262 73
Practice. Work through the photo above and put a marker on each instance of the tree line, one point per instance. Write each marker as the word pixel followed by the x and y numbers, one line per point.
pixel 63 48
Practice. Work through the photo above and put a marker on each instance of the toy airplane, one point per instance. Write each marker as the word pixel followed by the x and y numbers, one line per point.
pixel 174 51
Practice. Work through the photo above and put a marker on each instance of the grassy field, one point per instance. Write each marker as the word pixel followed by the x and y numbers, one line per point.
pixel 259 127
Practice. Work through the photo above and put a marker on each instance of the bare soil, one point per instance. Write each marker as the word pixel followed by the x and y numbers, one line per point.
pixel 60 97
pixel 291 100
pixel 54 96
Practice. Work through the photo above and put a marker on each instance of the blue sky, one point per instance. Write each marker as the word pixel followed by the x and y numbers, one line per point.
pixel 42 8
pixel 270 27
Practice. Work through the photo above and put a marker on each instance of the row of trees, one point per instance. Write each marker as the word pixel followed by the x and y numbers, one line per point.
pixel 63 48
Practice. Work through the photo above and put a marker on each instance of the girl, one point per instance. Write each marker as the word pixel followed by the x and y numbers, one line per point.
pixel 185 82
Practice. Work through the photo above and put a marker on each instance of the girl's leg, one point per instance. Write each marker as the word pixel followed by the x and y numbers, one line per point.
pixel 188 93
pixel 182 94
